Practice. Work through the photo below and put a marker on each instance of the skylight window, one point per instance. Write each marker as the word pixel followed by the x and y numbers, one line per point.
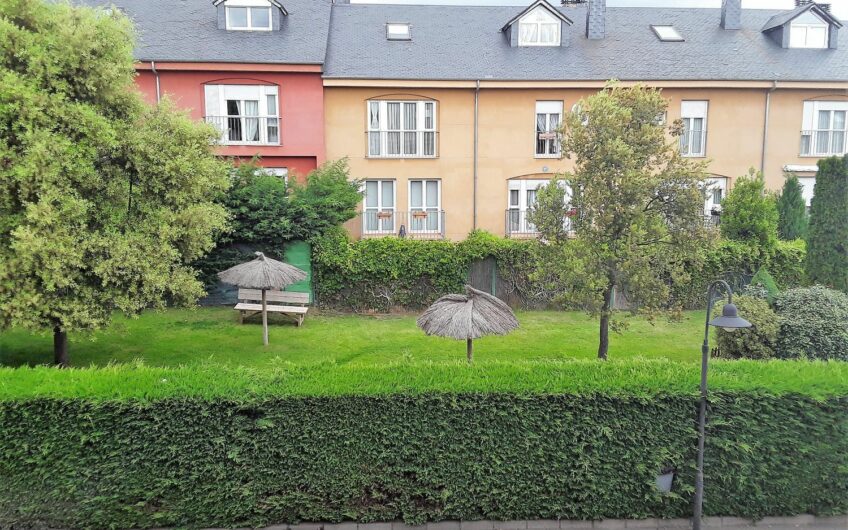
pixel 667 33
pixel 396 31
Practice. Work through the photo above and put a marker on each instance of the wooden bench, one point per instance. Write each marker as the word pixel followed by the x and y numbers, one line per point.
pixel 289 303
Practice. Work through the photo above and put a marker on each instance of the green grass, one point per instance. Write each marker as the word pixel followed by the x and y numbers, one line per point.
pixel 633 377
pixel 212 335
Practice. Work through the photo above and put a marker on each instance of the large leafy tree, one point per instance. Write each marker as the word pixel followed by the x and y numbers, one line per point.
pixel 792 210
pixel 636 206
pixel 827 240
pixel 103 201
pixel 749 213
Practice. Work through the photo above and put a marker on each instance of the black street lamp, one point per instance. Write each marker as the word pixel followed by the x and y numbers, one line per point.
pixel 729 320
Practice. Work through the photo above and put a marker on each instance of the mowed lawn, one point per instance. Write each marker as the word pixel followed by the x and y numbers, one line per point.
pixel 184 337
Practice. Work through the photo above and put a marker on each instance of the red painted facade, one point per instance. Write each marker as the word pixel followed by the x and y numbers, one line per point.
pixel 301 102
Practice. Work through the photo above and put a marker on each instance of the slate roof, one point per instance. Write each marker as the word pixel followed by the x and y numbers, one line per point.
pixel 465 43
pixel 187 31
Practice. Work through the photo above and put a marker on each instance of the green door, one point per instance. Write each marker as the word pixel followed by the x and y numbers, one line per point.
pixel 299 254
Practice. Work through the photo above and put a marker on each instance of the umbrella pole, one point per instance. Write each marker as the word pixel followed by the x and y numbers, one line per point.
pixel 264 318
pixel 469 349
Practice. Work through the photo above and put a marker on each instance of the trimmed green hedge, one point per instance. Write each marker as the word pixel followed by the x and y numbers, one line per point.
pixel 384 273
pixel 195 460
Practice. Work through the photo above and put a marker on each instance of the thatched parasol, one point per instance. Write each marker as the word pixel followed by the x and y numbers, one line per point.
pixel 468 316
pixel 262 273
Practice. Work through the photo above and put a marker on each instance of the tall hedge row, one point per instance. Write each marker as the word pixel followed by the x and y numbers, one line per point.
pixel 381 274
pixel 78 463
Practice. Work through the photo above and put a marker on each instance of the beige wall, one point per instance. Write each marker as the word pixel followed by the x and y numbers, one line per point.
pixel 735 125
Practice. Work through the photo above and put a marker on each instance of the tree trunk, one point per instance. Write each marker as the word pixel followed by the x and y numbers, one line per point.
pixel 60 347
pixel 469 350
pixel 606 312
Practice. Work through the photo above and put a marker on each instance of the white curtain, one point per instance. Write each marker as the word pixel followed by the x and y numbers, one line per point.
pixel 251 125
pixel 528 33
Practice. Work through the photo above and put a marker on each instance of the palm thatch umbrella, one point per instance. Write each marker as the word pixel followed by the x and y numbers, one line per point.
pixel 468 316
pixel 262 273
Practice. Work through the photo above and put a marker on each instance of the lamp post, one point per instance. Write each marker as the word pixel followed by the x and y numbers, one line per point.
pixel 729 320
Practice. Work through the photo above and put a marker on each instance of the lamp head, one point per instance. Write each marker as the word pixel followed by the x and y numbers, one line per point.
pixel 730 319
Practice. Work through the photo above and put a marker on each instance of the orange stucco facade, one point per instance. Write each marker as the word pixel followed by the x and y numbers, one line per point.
pixel 736 127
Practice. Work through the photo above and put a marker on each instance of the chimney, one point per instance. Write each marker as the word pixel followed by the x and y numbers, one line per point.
pixel 596 19
pixel 731 14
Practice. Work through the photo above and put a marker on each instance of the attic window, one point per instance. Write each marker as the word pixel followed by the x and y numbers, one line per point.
pixel 667 33
pixel 539 28
pixel 808 31
pixel 396 31
pixel 249 18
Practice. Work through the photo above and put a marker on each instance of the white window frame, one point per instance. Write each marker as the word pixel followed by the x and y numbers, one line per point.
pixel 517 222
pixel 383 226
pixel 691 110
pixel 800 32
pixel 552 21
pixel 548 109
pixel 268 117
pixel 813 135
pixel 381 141
pixel 433 212
pixel 249 14
pixel 713 185
pixel 282 172
pixel 808 188
pixel 406 34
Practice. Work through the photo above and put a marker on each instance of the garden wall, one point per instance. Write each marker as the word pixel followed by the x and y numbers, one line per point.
pixel 190 462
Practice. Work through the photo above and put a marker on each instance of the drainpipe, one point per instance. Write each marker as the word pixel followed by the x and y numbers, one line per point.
pixel 476 144
pixel 766 127
pixel 155 73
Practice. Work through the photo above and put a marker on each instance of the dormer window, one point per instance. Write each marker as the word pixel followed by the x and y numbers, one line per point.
pixel 249 18
pixel 539 28
pixel 667 33
pixel 397 31
pixel 808 31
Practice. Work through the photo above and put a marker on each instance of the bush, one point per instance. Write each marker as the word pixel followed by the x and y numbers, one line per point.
pixel 749 213
pixel 737 263
pixel 814 323
pixel 792 210
pixel 756 342
pixel 72 458
pixel 827 239
pixel 763 279
pixel 385 273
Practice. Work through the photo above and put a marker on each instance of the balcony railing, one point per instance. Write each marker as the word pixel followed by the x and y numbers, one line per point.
pixel 401 144
pixel 415 224
pixel 247 130
pixel 823 142
pixel 518 225
pixel 693 143
pixel 712 221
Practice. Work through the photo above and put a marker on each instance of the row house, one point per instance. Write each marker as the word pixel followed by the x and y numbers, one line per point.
pixel 252 68
pixel 450 113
